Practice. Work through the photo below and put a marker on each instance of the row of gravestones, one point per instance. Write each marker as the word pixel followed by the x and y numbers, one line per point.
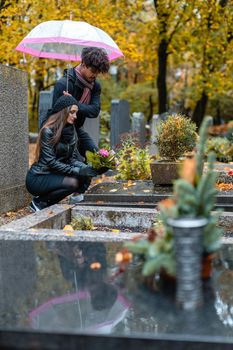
pixel 120 122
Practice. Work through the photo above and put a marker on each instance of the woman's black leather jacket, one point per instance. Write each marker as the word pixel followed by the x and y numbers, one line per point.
pixel 63 158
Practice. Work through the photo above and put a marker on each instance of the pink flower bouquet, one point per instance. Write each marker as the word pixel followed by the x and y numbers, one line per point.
pixel 101 160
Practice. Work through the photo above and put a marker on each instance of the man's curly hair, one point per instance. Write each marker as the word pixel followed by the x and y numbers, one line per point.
pixel 95 58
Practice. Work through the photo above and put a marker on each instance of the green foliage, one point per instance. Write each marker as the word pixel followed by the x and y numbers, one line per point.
pixel 146 97
pixel 133 161
pixel 81 222
pixel 157 254
pixel 175 137
pixel 222 148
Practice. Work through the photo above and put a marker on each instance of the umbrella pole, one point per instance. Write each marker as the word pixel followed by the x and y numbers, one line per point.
pixel 67 81
pixel 79 308
pixel 67 76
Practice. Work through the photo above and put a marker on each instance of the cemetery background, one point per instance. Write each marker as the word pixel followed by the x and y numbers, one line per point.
pixel 153 68
pixel 160 82
pixel 139 100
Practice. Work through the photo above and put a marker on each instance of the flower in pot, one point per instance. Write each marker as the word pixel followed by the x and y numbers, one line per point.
pixel 174 139
pixel 102 160
pixel 182 216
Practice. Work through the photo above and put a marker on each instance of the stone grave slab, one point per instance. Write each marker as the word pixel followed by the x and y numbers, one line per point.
pixel 111 223
pixel 59 215
pixel 52 298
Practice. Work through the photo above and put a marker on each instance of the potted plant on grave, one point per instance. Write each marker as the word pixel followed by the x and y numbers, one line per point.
pixel 194 199
pixel 175 137
pixel 133 161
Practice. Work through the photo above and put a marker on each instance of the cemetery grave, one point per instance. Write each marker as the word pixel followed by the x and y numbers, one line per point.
pixel 51 298
pixel 141 194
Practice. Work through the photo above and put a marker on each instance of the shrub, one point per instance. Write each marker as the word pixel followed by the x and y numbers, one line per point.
pixel 134 162
pixel 222 148
pixel 175 137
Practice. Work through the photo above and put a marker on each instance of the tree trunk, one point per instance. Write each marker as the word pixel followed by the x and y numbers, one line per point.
pixel 217 119
pixel 199 110
pixel 150 109
pixel 161 80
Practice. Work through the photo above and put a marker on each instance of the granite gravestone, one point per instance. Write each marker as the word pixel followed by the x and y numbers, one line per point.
pixel 120 120
pixel 14 138
pixel 154 124
pixel 138 127
pixel 156 120
pixel 45 102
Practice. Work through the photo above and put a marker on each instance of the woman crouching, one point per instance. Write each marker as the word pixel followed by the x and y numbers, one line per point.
pixel 58 169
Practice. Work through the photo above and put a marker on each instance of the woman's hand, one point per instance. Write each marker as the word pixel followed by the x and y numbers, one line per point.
pixel 87 170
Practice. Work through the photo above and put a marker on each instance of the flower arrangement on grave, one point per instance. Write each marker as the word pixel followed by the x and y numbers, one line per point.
pixel 102 160
pixel 175 138
pixel 134 161
pixel 194 197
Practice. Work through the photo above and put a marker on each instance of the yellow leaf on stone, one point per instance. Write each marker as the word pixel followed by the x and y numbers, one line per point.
pixel 130 183
pixel 68 227
pixel 98 181
pixel 10 214
pixel 115 230
pixel 69 233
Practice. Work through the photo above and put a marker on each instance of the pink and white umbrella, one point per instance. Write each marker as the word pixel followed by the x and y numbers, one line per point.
pixel 65 40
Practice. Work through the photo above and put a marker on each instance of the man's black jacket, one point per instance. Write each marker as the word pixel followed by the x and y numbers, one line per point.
pixel 91 110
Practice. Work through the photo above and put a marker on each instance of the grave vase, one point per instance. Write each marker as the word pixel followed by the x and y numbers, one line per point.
pixel 189 257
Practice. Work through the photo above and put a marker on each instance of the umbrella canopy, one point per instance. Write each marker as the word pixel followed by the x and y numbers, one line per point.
pixel 65 40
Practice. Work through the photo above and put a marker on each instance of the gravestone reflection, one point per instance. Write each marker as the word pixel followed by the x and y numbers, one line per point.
pixel 76 286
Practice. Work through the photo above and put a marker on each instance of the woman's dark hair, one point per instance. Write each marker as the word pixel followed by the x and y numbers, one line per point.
pixel 56 122
pixel 95 58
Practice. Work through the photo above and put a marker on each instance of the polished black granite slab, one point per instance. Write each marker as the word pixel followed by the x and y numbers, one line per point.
pixel 140 193
pixel 75 291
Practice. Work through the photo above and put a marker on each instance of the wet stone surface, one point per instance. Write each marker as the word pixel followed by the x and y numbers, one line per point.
pixel 130 188
pixel 76 287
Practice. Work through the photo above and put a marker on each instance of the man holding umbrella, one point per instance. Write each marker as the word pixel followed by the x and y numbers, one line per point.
pixel 81 83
